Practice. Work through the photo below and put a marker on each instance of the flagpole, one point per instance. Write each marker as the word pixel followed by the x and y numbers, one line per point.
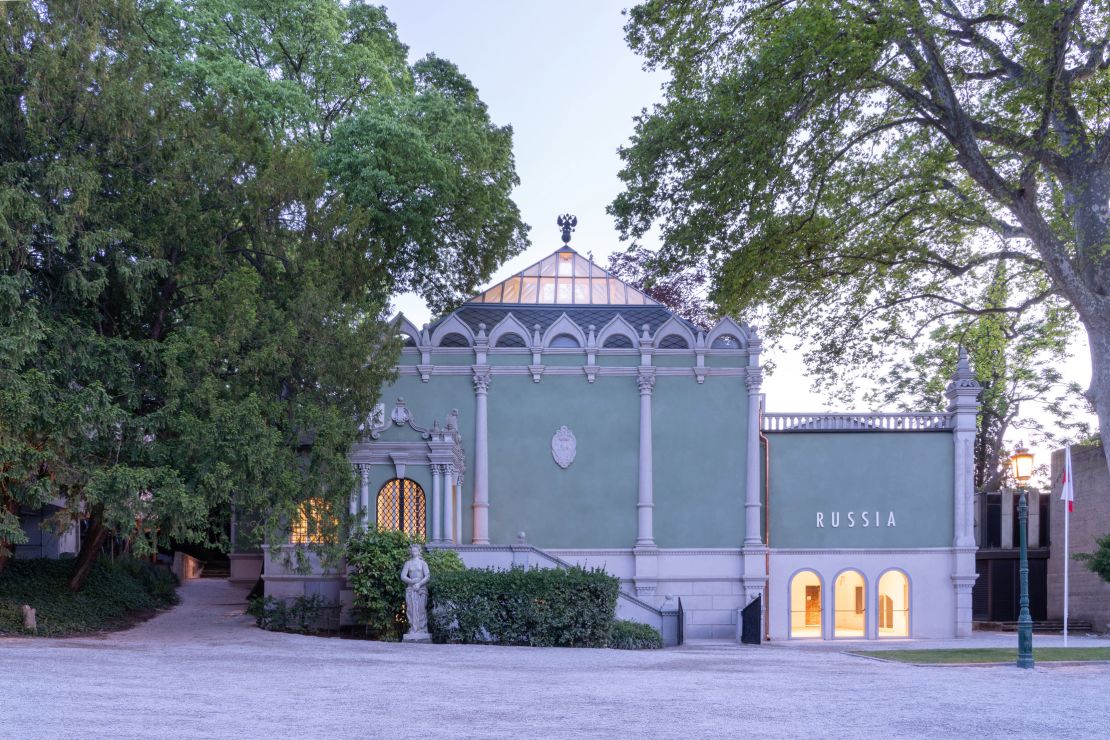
pixel 1067 519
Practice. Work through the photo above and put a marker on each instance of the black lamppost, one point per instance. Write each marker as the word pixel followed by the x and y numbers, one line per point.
pixel 1021 462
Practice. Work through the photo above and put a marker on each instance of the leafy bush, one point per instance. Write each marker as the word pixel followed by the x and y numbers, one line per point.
pixel 300 614
pixel 113 594
pixel 628 635
pixel 375 558
pixel 541 607
pixel 1099 560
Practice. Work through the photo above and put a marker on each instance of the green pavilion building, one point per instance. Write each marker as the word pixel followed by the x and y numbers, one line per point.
pixel 562 416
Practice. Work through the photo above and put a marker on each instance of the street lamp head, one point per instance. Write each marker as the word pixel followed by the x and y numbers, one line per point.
pixel 1021 463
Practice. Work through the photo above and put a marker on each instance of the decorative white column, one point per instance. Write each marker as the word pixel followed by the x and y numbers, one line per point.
pixel 645 379
pixel 364 492
pixel 448 502
pixel 481 456
pixel 437 492
pixel 753 576
pixel 963 403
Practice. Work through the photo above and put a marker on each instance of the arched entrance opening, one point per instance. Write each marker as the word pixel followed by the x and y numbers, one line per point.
pixel 894 604
pixel 401 507
pixel 850 605
pixel 805 604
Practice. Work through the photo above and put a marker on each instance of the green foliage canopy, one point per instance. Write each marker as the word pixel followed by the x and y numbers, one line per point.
pixel 204 208
pixel 859 170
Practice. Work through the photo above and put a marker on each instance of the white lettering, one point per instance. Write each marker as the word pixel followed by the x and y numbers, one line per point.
pixel 851 519
pixel 835 516
pixel 890 520
pixel 820 519
pixel 865 522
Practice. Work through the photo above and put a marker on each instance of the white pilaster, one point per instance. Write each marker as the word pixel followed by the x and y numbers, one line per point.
pixel 364 492
pixel 754 575
pixel 963 403
pixel 481 456
pixel 644 492
pixel 437 492
pixel 448 503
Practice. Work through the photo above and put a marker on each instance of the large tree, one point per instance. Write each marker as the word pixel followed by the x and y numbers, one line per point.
pixel 204 209
pixel 861 169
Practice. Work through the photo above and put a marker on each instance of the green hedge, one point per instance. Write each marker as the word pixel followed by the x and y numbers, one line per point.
pixel 375 558
pixel 541 607
pixel 628 635
pixel 112 595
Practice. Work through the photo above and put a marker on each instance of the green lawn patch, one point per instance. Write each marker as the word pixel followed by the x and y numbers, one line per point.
pixel 986 655
pixel 115 596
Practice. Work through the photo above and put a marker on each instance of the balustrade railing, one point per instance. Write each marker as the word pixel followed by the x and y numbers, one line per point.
pixel 837 422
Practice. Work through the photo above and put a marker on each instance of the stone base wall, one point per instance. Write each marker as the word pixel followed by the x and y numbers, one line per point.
pixel 246 567
pixel 1090 595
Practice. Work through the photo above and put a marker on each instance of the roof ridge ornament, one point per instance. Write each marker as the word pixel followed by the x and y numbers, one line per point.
pixel 567 222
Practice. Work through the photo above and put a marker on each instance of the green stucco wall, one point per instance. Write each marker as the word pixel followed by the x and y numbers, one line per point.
pixel 908 474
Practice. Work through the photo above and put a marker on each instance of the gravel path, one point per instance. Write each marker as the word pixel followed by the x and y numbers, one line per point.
pixel 204 670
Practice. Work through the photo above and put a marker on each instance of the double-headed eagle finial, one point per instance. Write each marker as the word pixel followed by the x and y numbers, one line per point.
pixel 567 223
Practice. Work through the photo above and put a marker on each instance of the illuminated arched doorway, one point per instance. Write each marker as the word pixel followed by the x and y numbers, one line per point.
pixel 850 605
pixel 805 604
pixel 401 506
pixel 894 604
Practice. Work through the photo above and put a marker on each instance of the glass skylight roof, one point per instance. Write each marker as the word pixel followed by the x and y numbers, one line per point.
pixel 565 278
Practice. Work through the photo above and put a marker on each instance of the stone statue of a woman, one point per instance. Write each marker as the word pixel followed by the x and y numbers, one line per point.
pixel 416 575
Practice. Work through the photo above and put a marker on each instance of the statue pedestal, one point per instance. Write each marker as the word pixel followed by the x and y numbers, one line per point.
pixel 416 637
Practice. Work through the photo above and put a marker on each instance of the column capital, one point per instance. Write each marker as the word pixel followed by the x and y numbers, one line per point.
pixel 645 379
pixel 754 378
pixel 482 378
pixel 363 469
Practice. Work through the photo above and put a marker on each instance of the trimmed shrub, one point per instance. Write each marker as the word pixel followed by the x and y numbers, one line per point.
pixel 628 635
pixel 540 607
pixel 300 614
pixel 113 594
pixel 375 558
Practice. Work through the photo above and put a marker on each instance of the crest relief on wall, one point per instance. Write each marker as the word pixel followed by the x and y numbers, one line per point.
pixel 563 447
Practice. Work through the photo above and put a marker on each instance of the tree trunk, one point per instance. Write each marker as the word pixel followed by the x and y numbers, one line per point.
pixel 1098 335
pixel 90 549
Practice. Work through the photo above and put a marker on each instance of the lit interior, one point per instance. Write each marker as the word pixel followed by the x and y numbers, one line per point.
pixel 894 604
pixel 805 605
pixel 312 517
pixel 565 278
pixel 849 605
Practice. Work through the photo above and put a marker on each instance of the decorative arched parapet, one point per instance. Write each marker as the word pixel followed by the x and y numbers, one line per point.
pixel 617 326
pixel 453 325
pixel 728 327
pixel 563 325
pixel 406 327
pixel 509 325
pixel 673 326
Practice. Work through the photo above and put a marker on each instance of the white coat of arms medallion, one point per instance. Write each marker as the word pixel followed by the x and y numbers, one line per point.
pixel 563 447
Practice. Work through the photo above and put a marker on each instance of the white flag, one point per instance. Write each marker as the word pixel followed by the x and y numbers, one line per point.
pixel 1067 490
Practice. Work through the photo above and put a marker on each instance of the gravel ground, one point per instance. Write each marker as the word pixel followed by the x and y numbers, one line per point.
pixel 204 670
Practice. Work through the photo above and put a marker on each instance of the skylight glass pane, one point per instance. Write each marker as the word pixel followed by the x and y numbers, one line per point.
pixel 533 271
pixel 528 290
pixel 600 292
pixel 547 290
pixel 512 291
pixel 634 298
pixel 566 264
pixel 493 295
pixel 564 293
pixel 547 267
pixel 616 291
pixel 581 267
pixel 581 291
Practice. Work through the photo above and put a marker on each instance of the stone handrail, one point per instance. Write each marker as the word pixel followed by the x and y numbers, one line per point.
pixel 847 422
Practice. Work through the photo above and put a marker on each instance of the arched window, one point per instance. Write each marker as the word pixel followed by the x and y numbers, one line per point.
pixel 314 523
pixel 673 341
pixel 407 339
pixel 564 340
pixel 726 341
pixel 401 506
pixel 617 341
pixel 849 604
pixel 510 340
pixel 454 339
pixel 805 604
pixel 894 604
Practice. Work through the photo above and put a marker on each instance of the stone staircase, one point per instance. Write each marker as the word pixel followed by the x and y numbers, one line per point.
pixel 216 569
